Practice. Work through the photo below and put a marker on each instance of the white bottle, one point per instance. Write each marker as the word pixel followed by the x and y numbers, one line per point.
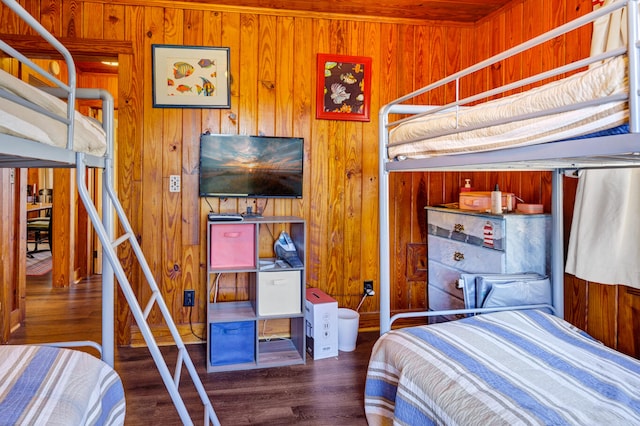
pixel 496 201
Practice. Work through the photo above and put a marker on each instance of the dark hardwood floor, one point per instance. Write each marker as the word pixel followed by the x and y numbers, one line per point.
pixel 322 392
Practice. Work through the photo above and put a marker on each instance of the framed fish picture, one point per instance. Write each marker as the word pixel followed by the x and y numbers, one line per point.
pixel 190 76
pixel 344 84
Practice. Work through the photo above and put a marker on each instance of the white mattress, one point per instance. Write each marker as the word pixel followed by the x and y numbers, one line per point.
pixel 424 133
pixel 17 120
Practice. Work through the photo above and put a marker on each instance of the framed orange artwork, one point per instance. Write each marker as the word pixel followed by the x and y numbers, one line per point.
pixel 344 87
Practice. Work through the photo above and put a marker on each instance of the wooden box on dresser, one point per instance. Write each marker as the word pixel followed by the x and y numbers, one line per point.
pixel 462 241
pixel 275 293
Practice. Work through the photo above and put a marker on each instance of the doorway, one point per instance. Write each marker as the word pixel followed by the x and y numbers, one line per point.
pixel 75 252
pixel 75 249
pixel 13 294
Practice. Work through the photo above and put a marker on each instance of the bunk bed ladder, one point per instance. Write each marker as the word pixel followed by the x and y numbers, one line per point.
pixel 110 199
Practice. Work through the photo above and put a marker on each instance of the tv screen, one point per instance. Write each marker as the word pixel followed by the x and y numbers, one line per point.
pixel 250 166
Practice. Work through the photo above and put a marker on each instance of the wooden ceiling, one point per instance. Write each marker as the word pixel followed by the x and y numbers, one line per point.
pixel 441 10
pixel 466 11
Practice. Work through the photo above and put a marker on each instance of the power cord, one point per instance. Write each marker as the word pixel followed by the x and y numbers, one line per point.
pixel 210 207
pixel 191 325
pixel 268 339
pixel 364 296
pixel 215 286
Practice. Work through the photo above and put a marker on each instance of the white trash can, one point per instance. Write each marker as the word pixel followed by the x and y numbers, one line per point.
pixel 348 323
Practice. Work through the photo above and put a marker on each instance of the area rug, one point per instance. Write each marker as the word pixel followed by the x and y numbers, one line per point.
pixel 39 264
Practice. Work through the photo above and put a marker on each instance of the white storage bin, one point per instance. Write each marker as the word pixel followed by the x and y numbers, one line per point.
pixel 279 293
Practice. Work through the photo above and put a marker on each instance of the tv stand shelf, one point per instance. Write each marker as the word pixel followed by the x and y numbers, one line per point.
pixel 237 336
pixel 230 311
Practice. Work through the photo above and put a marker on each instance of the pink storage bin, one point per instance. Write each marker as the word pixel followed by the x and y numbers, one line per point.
pixel 232 246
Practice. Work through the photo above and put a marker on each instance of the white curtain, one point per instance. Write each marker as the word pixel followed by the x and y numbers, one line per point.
pixel 604 243
pixel 610 31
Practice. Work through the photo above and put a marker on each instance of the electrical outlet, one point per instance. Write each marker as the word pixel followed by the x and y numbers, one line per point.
pixel 174 183
pixel 189 298
pixel 368 286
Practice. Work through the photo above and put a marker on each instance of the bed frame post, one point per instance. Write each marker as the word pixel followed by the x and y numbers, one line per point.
pixel 107 352
pixel 108 281
pixel 385 248
pixel 634 67
pixel 557 242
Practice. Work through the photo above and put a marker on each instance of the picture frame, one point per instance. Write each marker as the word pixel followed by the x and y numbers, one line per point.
pixel 343 87
pixel 191 76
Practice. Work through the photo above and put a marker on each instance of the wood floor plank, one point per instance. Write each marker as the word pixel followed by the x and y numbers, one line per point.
pixel 321 392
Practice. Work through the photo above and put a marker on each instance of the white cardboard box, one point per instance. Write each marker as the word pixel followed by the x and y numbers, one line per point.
pixel 321 324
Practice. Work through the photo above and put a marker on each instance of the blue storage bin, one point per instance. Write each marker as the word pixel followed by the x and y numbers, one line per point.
pixel 232 343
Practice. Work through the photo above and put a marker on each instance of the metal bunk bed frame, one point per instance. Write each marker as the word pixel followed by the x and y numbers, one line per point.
pixel 558 157
pixel 17 152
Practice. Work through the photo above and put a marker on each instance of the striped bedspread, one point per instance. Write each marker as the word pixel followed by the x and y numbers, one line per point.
pixel 506 368
pixel 42 385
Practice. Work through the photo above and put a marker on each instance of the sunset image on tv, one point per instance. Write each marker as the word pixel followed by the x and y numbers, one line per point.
pixel 250 166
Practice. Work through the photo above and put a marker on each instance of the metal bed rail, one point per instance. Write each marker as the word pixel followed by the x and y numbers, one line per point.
pixel 69 89
pixel 399 105
pixel 474 311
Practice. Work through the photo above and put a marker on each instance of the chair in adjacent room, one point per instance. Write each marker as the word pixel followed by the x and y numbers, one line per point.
pixel 39 232
pixel 45 195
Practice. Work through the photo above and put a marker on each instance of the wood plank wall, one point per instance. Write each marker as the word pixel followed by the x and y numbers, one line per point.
pixel 273 57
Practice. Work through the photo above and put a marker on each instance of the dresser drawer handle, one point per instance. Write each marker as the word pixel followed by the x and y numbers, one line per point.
pixel 458 227
pixel 457 256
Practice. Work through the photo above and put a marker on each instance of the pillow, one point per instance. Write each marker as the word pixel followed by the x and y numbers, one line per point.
pixel 484 283
pixel 514 293
pixel 468 284
pixel 476 286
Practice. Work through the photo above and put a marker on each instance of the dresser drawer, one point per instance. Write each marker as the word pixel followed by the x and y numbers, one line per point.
pixel 444 278
pixel 465 257
pixel 474 229
pixel 441 301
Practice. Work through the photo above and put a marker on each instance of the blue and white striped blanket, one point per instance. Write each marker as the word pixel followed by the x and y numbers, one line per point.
pixel 504 368
pixel 42 385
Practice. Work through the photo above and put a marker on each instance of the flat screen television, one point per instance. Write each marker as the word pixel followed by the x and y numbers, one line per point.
pixel 251 166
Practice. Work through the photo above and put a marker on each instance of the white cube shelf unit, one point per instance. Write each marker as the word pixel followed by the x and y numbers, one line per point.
pixel 243 253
